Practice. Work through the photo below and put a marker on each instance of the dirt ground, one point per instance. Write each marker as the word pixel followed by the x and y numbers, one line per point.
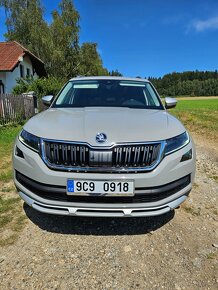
pixel 178 250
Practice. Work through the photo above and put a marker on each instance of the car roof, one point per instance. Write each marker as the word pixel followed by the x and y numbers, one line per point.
pixel 108 78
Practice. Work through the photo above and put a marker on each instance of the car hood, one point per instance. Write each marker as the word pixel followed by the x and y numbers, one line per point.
pixel 119 124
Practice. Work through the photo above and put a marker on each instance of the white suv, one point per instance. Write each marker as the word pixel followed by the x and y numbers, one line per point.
pixel 105 147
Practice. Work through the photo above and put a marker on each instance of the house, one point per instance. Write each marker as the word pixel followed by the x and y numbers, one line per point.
pixel 17 62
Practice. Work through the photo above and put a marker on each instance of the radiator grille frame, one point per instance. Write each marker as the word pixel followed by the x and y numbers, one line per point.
pixel 81 149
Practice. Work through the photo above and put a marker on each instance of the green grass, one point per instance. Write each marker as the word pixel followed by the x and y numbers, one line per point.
pixel 7 138
pixel 193 97
pixel 7 204
pixel 12 218
pixel 199 116
pixel 8 188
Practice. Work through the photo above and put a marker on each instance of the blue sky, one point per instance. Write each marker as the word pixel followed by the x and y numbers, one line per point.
pixel 148 38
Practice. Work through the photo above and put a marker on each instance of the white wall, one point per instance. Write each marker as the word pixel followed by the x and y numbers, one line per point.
pixel 9 78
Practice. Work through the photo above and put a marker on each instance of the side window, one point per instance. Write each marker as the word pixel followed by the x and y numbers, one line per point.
pixel 2 88
pixel 64 94
pixel 21 71
pixel 28 72
pixel 151 95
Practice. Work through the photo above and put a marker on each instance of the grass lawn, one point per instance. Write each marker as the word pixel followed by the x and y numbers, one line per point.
pixel 12 218
pixel 7 137
pixel 199 116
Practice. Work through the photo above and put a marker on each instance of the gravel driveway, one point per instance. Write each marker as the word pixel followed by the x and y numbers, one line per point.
pixel 178 250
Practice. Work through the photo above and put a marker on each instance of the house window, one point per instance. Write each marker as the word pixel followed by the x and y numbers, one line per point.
pixel 28 72
pixel 21 71
pixel 2 88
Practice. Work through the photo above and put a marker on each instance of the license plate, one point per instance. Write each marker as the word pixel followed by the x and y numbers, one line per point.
pixel 100 188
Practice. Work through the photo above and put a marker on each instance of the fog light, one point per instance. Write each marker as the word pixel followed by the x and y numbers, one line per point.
pixel 19 153
pixel 187 156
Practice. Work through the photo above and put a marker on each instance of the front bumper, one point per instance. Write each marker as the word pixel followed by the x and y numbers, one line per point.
pixel 168 171
pixel 87 210
pixel 145 202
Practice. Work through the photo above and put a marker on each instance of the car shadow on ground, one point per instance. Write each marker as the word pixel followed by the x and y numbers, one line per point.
pixel 95 225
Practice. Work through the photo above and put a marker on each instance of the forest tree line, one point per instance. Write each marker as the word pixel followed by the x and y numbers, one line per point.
pixel 194 83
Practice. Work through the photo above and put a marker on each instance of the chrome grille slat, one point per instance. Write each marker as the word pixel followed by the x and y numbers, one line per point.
pixel 138 154
pixel 135 153
pixel 150 154
pixel 120 156
pixel 128 155
pixel 144 155
pixel 82 155
pixel 72 154
pixel 56 153
pixel 147 155
pixel 64 153
pixel 76 157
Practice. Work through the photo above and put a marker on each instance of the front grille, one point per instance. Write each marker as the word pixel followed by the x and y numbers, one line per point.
pixel 147 194
pixel 82 157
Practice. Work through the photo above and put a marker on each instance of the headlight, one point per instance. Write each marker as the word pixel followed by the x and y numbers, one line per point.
pixel 176 143
pixel 30 140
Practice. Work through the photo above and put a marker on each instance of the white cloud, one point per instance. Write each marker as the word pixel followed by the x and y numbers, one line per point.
pixel 202 25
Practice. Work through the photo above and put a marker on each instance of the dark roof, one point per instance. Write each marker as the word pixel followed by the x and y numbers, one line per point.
pixel 10 52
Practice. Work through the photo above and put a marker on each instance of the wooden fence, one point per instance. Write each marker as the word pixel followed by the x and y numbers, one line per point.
pixel 16 108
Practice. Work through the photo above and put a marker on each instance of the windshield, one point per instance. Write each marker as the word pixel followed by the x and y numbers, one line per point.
pixel 108 93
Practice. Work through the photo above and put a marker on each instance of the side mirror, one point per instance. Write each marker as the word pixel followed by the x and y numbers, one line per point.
pixel 47 100
pixel 170 103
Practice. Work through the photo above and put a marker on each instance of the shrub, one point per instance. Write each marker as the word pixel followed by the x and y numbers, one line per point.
pixel 41 86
